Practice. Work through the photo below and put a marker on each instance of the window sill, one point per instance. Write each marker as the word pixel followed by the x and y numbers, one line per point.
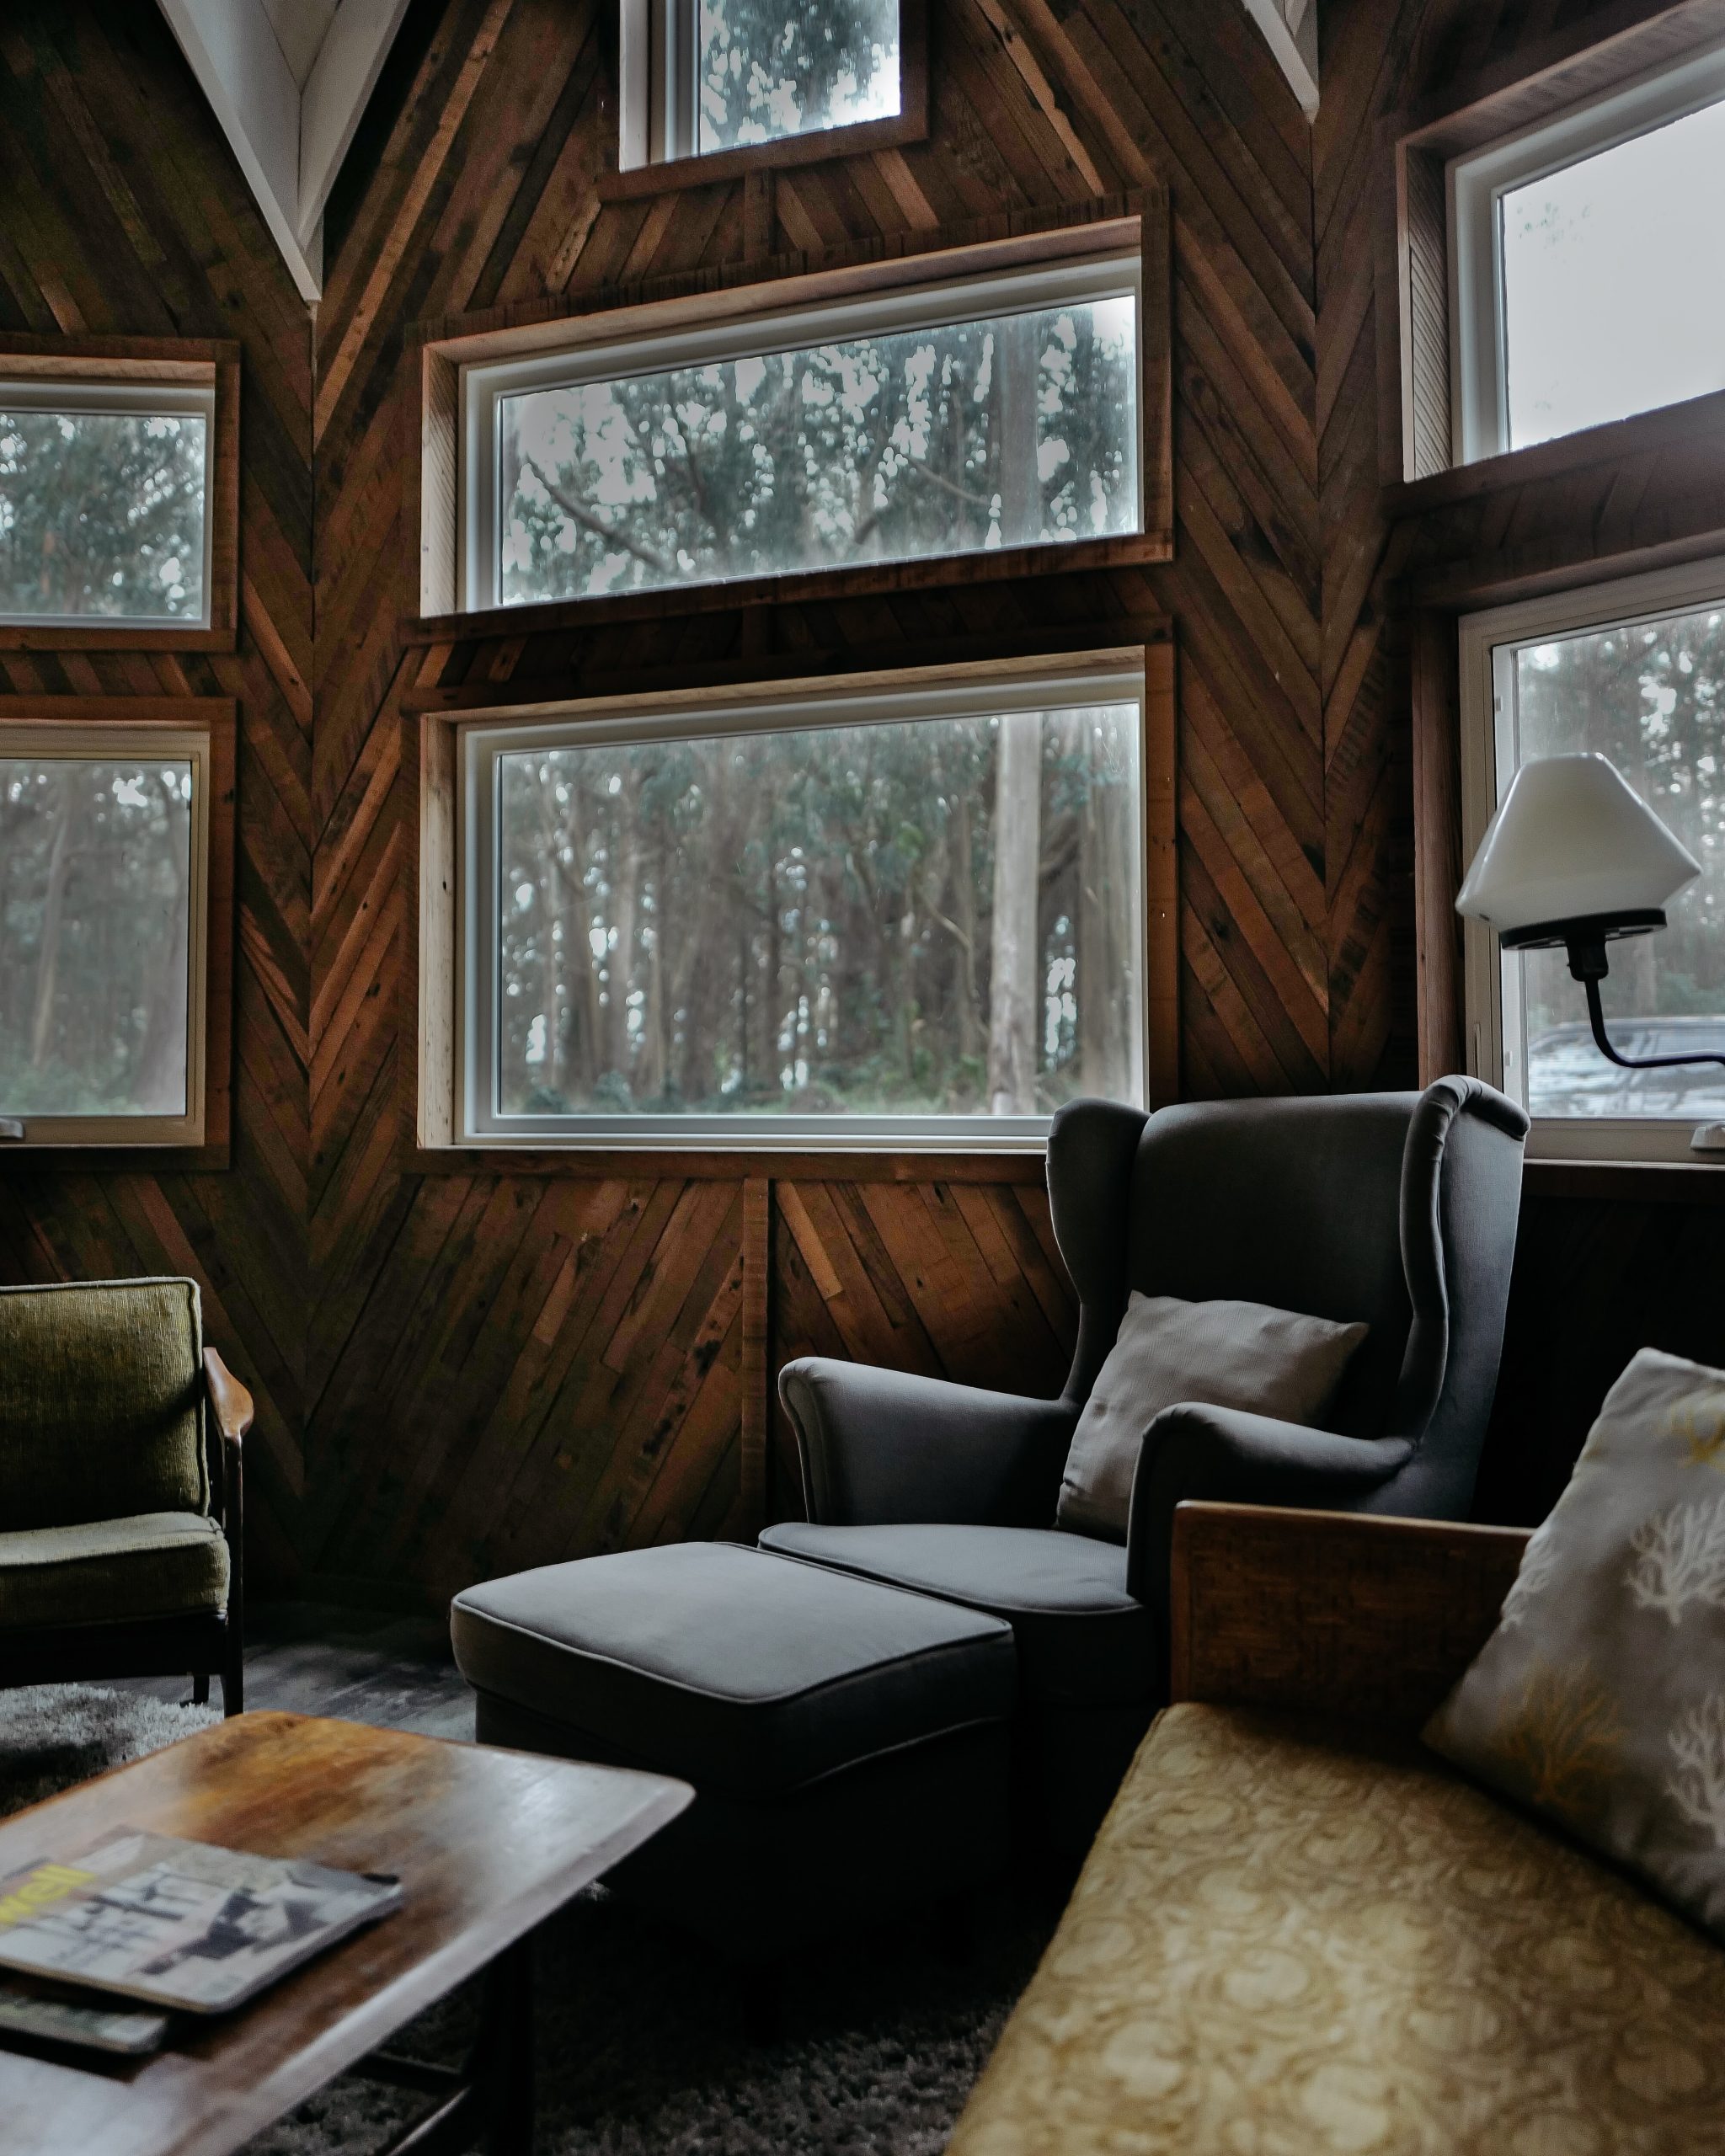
pixel 1666 1182
pixel 211 1158
pixel 738 1164
pixel 1082 556
pixel 724 167
pixel 1642 433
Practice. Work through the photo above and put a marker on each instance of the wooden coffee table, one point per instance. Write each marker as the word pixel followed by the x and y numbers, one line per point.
pixel 486 1843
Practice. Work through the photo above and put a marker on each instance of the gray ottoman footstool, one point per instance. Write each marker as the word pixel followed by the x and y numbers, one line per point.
pixel 847 1741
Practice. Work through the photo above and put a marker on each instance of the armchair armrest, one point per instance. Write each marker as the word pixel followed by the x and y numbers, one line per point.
pixel 231 1410
pixel 1226 1453
pixel 1349 1614
pixel 230 1402
pixel 880 1447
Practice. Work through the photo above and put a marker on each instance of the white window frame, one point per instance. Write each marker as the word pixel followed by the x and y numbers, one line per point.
pixel 109 744
pixel 1477 183
pixel 98 399
pixel 860 699
pixel 658 118
pixel 606 352
pixel 1493 977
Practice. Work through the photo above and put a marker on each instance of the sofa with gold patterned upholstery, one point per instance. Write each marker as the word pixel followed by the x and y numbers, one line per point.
pixel 1299 1932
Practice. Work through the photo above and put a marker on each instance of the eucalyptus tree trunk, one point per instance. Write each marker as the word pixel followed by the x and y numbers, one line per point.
pixel 54 916
pixel 1012 994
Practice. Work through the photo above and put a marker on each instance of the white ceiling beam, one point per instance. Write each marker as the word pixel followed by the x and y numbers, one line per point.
pixel 1289 28
pixel 237 60
pixel 290 142
pixel 342 77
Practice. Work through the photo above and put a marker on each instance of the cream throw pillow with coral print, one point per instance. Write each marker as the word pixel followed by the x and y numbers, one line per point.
pixel 1600 1698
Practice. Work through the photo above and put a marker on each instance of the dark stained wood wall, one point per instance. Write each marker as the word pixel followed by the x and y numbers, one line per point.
pixel 462 1371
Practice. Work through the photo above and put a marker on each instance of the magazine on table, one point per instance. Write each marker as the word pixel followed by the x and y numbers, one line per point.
pixel 56 2016
pixel 179 1925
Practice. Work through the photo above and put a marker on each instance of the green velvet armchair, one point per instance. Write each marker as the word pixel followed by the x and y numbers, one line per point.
pixel 120 1497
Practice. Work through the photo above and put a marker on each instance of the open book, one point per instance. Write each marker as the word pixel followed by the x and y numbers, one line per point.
pixel 179 1924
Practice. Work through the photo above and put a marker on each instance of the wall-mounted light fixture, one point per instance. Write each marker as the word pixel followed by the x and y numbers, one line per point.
pixel 1574 857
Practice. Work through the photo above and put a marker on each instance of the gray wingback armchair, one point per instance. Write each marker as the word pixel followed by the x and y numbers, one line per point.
pixel 1399 1208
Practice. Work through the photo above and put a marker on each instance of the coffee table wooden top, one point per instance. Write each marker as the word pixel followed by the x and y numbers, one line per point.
pixel 485 1843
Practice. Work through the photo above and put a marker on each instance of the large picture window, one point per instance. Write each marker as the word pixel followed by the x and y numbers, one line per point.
pixel 105 857
pixel 1635 671
pixel 941 420
pixel 1577 253
pixel 907 910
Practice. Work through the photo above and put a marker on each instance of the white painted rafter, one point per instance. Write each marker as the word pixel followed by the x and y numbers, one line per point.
pixel 1290 30
pixel 288 80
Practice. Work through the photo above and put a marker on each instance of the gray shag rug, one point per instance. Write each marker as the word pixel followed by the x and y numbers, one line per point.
pixel 640 2048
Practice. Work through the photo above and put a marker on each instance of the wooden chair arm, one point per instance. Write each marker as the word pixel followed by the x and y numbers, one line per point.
pixel 1348 1614
pixel 229 1401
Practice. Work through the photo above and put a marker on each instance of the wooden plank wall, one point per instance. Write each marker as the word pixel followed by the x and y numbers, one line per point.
pixel 475 189
pixel 461 1372
pixel 1602 1267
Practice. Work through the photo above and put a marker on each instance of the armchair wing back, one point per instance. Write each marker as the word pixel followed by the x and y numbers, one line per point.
pixel 101 1403
pixel 1398 1209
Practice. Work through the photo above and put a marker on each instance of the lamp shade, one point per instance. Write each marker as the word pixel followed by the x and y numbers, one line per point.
pixel 1571 841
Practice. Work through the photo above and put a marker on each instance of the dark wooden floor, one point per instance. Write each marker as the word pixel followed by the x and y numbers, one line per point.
pixel 312 1658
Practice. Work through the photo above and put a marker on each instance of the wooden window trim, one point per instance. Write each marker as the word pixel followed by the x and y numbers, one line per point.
pixel 208 362
pixel 724 167
pixel 428 1016
pixel 217 717
pixel 436 352
pixel 1412 270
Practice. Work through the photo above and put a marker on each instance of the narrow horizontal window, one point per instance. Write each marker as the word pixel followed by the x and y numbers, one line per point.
pixel 103 845
pixel 1578 245
pixel 938 421
pixel 894 916
pixel 105 503
pixel 1634 673
pixel 704 76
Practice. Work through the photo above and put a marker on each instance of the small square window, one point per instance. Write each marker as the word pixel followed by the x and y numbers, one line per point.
pixel 119 493
pixel 702 78
pixel 1580 257
pixel 104 503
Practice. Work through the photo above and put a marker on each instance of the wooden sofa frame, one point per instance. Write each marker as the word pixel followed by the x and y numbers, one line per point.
pixel 1349 1614
pixel 205 1643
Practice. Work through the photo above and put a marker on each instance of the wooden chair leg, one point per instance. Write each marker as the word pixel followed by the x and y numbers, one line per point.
pixel 233 1680
pixel 200 1688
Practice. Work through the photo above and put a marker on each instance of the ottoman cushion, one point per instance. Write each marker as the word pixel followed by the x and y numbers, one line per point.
pixel 751 1674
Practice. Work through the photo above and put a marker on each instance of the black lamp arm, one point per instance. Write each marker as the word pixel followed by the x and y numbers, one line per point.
pixel 1597 1017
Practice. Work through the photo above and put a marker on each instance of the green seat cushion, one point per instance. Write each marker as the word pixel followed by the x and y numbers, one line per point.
pixel 101 1393
pixel 151 1564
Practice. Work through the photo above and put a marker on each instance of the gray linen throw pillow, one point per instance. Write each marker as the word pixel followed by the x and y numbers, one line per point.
pixel 1223 1354
pixel 1600 1698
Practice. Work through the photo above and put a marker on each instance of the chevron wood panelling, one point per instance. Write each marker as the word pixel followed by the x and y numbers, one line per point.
pixel 122 212
pixel 462 1371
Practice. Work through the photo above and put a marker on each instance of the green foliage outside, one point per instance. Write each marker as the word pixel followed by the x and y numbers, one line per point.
pixel 925 442
pixel 803 922
pixel 764 73
pixel 94 871
pixel 102 513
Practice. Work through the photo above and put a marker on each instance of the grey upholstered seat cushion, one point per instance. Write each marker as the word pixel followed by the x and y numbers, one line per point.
pixel 742 1672
pixel 1083 1640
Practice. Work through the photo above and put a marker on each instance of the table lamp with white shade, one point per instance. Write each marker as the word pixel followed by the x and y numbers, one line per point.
pixel 1574 857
